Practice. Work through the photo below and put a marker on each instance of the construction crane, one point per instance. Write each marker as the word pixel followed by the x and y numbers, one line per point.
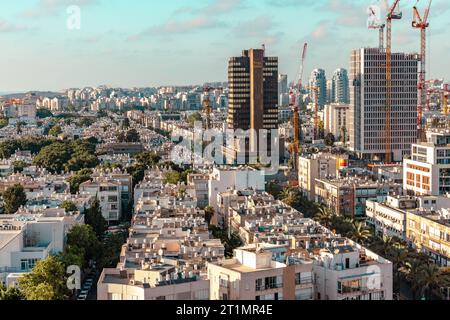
pixel 422 24
pixel 294 104
pixel 207 109
pixel 374 22
pixel 392 15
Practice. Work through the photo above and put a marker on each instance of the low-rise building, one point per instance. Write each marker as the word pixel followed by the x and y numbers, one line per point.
pixel 348 196
pixel 253 275
pixel 26 238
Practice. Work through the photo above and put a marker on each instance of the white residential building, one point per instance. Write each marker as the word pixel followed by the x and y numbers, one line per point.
pixel 428 170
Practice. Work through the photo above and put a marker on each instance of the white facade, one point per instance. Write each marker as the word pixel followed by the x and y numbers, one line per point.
pixel 367 112
pixel 222 180
pixel 352 273
pixel 335 119
pixel 428 170
pixel 26 239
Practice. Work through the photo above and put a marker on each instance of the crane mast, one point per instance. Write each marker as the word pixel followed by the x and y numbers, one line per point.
pixel 392 15
pixel 422 24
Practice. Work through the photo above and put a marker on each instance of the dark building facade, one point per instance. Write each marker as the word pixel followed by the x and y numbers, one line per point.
pixel 253 93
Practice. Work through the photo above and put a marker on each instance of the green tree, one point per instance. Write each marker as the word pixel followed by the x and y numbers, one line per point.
pixel 42 113
pixel 429 280
pixel 82 161
pixel 359 232
pixel 14 197
pixel 324 216
pixel 83 237
pixel 132 136
pixel 111 247
pixel 95 219
pixel 125 123
pixel 209 213
pixel 69 206
pixel 47 281
pixel 55 131
pixel 54 157
pixel 195 117
pixel 290 196
pixel 11 293
pixel 330 139
pixel 78 178
pixel 148 158
pixel 172 177
pixel 73 256
pixel 3 122
pixel 19 165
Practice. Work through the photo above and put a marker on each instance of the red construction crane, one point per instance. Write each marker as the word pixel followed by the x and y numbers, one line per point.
pixel 422 24
pixel 392 15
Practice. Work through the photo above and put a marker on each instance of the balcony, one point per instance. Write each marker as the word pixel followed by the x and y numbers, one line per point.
pixel 269 286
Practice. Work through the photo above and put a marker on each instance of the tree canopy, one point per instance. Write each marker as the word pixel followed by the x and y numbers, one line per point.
pixel 47 281
pixel 14 197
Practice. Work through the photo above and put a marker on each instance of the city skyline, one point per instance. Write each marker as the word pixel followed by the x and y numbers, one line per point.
pixel 153 44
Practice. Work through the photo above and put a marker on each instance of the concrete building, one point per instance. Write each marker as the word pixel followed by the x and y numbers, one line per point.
pixel 340 87
pixel 429 232
pixel 347 271
pixel 428 170
pixel 253 275
pixel 229 178
pixel 367 112
pixel 318 79
pixel 167 252
pixel 27 238
pixel 347 197
pixel 318 166
pixel 253 95
pixel 109 193
pixel 335 120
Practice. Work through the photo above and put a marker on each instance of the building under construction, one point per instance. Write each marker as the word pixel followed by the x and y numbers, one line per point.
pixel 367 115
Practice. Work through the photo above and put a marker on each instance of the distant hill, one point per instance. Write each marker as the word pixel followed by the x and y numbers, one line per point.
pixel 22 95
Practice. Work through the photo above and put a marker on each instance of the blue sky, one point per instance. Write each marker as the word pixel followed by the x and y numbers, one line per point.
pixel 174 42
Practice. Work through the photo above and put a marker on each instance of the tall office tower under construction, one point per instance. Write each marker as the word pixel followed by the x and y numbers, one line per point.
pixel 369 113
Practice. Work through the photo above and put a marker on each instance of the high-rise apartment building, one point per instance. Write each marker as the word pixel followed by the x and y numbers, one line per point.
pixel 253 94
pixel 318 79
pixel 283 84
pixel 367 112
pixel 339 86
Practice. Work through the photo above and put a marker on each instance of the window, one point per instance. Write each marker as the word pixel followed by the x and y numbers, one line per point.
pixel 271 283
pixel 303 278
pixel 112 199
pixel 304 294
pixel 28 264
pixel 259 284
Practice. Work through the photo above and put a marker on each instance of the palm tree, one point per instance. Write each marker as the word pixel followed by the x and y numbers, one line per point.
pixel 289 197
pixel 359 232
pixel 383 245
pixel 412 271
pixel 324 216
pixel 429 279
pixel 398 255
